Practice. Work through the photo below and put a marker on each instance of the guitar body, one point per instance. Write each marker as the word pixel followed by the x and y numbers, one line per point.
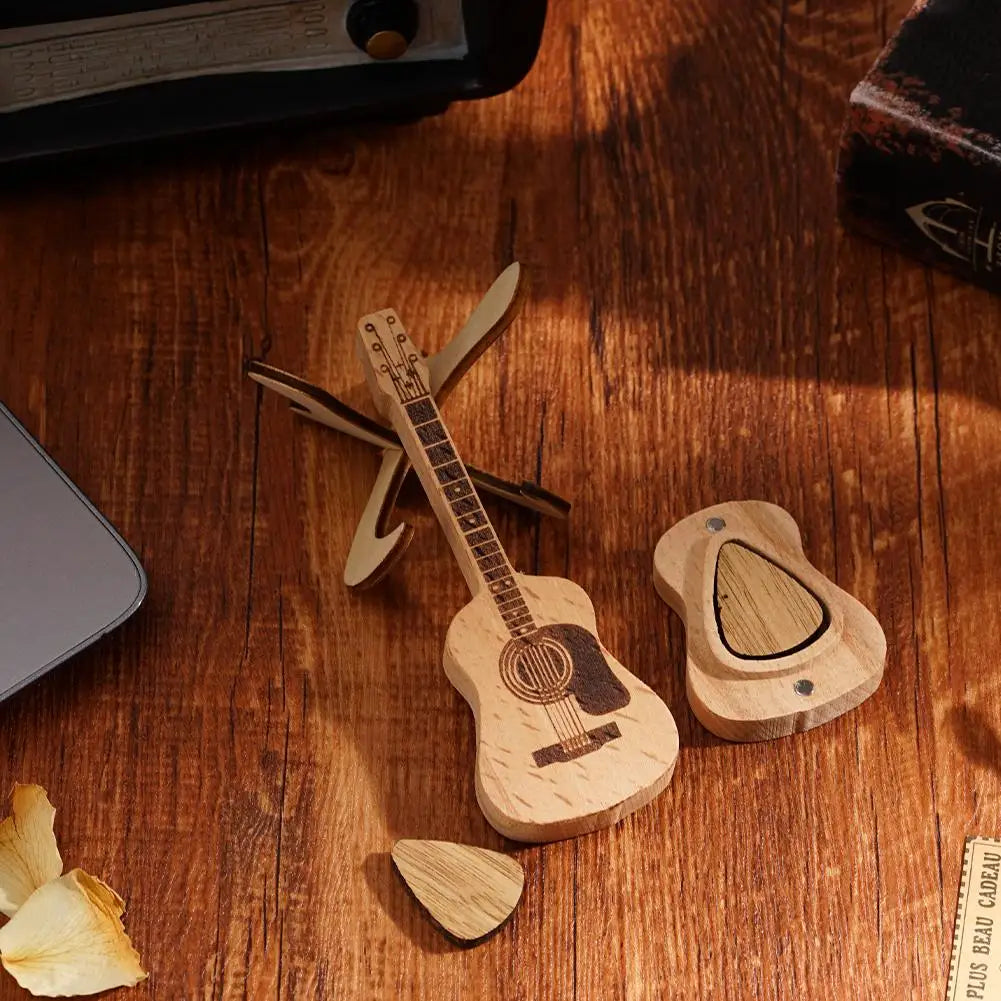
pixel 568 741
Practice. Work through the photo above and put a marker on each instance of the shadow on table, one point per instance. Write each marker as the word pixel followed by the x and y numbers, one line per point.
pixel 679 201
pixel 977 735
pixel 693 199
pixel 397 901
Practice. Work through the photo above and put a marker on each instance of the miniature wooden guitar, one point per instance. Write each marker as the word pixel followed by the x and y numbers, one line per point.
pixel 568 741
pixel 773 646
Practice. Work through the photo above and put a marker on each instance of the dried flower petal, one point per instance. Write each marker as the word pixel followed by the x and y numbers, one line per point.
pixel 29 857
pixel 67 939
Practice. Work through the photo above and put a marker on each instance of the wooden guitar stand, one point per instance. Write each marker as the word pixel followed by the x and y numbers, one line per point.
pixel 376 548
pixel 773 646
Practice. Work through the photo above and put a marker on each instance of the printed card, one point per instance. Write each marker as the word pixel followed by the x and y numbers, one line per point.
pixel 975 971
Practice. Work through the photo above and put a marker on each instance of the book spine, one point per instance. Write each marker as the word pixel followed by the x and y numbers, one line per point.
pixel 907 180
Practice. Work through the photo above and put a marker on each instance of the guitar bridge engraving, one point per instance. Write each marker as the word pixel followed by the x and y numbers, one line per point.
pixel 577 747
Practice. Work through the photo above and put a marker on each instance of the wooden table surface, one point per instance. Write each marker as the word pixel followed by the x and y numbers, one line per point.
pixel 238 759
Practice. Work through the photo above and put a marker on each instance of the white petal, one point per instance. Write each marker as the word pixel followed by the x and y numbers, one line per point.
pixel 29 856
pixel 67 939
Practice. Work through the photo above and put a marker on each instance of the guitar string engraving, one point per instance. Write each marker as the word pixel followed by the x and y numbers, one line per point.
pixel 562 667
pixel 536 672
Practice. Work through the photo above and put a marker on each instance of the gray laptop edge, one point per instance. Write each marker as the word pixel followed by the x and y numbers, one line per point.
pixel 66 576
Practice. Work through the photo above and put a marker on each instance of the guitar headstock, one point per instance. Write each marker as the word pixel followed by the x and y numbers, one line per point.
pixel 395 369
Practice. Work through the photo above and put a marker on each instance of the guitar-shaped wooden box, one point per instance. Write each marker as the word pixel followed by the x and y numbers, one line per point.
pixel 568 741
pixel 773 646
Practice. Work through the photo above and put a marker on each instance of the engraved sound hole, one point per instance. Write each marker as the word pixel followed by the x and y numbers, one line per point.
pixel 537 669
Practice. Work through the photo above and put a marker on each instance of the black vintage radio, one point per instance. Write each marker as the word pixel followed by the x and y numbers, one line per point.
pixel 77 74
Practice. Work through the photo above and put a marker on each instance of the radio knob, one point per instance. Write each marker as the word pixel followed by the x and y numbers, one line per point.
pixel 383 29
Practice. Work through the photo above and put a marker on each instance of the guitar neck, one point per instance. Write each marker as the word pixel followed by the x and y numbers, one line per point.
pixel 481 557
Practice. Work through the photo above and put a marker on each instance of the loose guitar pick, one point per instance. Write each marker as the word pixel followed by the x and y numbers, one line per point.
pixel 468 892
pixel 773 646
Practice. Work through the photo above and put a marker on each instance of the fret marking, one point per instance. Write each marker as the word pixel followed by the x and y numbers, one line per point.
pixel 453 471
pixel 461 489
pixel 421 411
pixel 471 521
pixel 465 505
pixel 431 433
pixel 440 454
pixel 517 612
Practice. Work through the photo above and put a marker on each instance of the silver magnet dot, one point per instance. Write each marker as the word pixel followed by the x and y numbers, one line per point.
pixel 715 525
pixel 803 687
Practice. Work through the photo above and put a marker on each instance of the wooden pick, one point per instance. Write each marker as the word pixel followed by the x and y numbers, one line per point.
pixel 773 646
pixel 468 892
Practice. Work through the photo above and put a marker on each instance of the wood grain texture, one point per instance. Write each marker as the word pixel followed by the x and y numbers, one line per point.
pixel 468 892
pixel 239 758
pixel 773 647
pixel 763 610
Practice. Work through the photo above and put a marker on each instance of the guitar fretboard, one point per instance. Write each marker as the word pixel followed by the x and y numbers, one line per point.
pixel 469 517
